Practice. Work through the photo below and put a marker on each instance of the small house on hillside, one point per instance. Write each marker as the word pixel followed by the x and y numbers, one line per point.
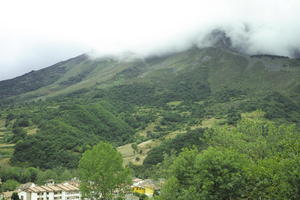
pixel 146 187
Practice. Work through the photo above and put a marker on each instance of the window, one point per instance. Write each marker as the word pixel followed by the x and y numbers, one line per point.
pixel 57 193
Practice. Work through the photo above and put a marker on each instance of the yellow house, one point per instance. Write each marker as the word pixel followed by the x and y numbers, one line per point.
pixel 146 187
pixel 139 190
pixel 143 190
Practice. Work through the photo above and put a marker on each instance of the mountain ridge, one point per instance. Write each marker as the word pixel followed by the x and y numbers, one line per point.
pixel 93 71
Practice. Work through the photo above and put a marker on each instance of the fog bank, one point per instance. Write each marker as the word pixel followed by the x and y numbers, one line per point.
pixel 36 34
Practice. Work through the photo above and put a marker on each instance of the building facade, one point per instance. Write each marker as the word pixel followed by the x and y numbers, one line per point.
pixel 146 187
pixel 64 191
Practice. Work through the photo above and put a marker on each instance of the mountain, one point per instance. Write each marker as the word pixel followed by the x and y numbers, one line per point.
pixel 67 107
pixel 35 79
pixel 216 68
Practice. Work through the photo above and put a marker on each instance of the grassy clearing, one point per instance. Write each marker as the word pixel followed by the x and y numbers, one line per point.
pixel 174 103
pixel 258 114
pixel 209 123
pixel 2 127
pixel 149 128
pixel 5 162
pixel 173 134
pixel 137 157
pixel 31 130
pixel 6 150
pixel 126 150
pixel 6 145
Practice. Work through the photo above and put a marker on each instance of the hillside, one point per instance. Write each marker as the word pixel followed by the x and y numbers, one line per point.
pixel 60 111
pixel 218 67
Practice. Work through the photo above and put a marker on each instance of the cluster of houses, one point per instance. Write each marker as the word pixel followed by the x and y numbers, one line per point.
pixel 70 190
pixel 30 191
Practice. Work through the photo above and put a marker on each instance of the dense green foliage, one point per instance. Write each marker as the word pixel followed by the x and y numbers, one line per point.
pixel 102 172
pixel 210 175
pixel 12 177
pixel 190 139
pixel 255 160
pixel 66 132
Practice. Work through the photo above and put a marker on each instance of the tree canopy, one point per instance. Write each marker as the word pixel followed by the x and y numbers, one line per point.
pixel 255 160
pixel 102 172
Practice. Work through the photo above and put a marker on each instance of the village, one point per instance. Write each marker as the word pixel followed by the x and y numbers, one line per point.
pixel 69 190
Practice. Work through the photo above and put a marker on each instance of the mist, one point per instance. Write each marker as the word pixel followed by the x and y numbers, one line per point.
pixel 35 34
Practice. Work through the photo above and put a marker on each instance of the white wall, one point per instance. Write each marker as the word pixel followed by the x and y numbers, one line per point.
pixel 23 195
pixel 64 195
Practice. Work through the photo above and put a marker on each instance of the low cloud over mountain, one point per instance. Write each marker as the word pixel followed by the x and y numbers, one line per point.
pixel 35 33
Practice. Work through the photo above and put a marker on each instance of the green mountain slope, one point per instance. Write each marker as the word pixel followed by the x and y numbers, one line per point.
pixel 215 68
pixel 36 79
pixel 135 100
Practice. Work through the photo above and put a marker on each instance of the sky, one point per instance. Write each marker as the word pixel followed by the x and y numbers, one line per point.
pixel 38 33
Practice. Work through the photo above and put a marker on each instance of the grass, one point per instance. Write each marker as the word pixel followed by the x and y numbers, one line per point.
pixel 258 114
pixel 173 134
pixel 129 155
pixel 3 145
pixel 174 103
pixel 209 123
pixel 2 123
pixel 6 150
pixel 5 162
pixel 31 130
pixel 150 128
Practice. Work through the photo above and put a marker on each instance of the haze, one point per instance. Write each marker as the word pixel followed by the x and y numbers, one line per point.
pixel 35 34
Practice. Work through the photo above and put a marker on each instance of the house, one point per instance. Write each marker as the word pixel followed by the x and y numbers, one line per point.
pixel 146 187
pixel 64 191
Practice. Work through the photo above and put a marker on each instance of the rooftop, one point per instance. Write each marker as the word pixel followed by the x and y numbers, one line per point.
pixel 53 188
pixel 148 183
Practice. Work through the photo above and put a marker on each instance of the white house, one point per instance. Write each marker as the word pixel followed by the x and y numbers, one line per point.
pixel 64 191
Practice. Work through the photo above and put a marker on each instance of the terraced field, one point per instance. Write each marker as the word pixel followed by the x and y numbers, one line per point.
pixel 6 150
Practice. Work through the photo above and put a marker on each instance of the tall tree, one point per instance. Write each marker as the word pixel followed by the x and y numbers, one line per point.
pixel 211 174
pixel 102 172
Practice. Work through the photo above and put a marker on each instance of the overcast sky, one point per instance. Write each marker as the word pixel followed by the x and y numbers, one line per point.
pixel 37 33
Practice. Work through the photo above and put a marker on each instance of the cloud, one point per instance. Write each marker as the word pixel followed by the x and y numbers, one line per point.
pixel 35 34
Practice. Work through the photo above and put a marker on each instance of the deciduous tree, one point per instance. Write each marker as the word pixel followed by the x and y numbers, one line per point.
pixel 102 173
